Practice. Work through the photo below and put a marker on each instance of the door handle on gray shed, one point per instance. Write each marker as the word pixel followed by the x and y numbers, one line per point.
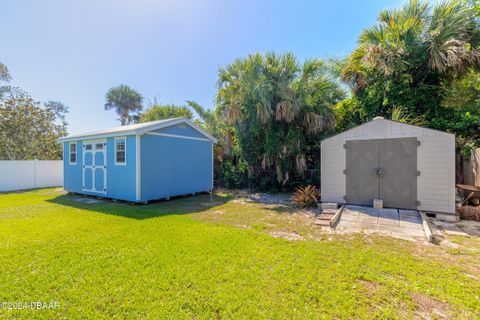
pixel 379 172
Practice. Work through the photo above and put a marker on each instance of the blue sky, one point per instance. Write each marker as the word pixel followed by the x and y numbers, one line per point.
pixel 74 51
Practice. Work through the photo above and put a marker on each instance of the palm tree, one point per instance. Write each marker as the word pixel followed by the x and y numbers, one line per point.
pixel 277 84
pixel 416 39
pixel 277 107
pixel 125 101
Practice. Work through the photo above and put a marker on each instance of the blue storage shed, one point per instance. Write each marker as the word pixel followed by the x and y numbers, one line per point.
pixel 140 162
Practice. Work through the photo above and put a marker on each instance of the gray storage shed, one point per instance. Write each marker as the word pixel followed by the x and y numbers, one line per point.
pixel 406 166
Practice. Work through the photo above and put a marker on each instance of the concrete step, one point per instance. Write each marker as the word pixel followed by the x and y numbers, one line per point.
pixel 322 222
pixel 325 217
pixel 330 205
pixel 329 211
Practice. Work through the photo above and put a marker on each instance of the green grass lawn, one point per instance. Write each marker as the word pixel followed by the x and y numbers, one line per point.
pixel 205 258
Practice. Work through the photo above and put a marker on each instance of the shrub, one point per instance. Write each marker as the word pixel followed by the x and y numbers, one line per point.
pixel 307 196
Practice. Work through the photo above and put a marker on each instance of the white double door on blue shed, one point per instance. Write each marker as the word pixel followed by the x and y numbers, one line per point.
pixel 94 167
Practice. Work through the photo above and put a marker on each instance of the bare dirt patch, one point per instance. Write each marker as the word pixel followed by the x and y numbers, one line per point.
pixel 370 286
pixel 292 236
pixel 213 216
pixel 430 308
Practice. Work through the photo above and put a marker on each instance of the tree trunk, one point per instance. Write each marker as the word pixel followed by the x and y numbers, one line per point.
pixel 459 169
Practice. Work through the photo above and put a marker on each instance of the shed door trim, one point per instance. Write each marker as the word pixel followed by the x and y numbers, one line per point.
pixel 91 167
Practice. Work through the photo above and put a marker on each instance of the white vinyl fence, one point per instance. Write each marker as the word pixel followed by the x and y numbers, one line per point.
pixel 30 174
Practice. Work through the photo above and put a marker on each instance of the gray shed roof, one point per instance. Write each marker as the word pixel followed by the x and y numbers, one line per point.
pixel 383 119
pixel 138 128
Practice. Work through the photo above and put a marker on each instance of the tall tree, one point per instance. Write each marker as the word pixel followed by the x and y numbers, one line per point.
pixel 29 130
pixel 215 123
pixel 208 119
pixel 4 73
pixel 278 108
pixel 4 77
pixel 403 59
pixel 462 100
pixel 125 101
pixel 158 111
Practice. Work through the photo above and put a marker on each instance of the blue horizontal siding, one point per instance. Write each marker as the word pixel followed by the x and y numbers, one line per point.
pixel 169 166
pixel 173 166
pixel 72 173
pixel 121 179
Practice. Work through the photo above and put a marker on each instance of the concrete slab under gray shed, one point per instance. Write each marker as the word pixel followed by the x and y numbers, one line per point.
pixel 405 224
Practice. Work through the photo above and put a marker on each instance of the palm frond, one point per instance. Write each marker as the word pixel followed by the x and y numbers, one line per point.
pixel 300 164
pixel 264 112
pixel 399 114
pixel 446 37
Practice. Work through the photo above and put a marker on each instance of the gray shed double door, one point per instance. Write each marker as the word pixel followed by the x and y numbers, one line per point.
pixel 382 169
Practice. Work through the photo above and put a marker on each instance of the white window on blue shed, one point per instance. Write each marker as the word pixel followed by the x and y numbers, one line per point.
pixel 73 153
pixel 120 151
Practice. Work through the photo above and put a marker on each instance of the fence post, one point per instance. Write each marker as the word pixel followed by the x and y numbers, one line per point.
pixel 35 173
pixel 475 160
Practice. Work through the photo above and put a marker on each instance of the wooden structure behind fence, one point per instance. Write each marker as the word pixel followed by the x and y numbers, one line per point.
pixel 471 168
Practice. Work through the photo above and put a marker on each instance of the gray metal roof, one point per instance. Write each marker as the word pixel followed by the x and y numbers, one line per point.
pixel 138 128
